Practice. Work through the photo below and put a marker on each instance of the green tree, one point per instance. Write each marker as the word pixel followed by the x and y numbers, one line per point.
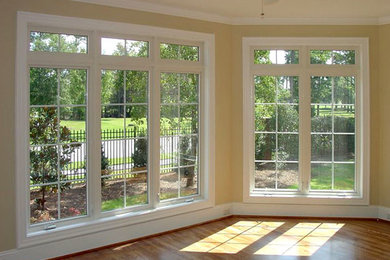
pixel 44 159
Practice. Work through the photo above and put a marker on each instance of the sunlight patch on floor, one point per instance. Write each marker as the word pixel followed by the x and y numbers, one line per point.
pixel 304 239
pixel 234 238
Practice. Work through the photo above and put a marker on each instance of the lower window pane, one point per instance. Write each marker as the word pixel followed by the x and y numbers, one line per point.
pixel 344 148
pixel 344 176
pixel 73 199
pixel 136 189
pixel 265 146
pixel 112 192
pixel 188 181
pixel 169 184
pixel 43 204
pixel 321 176
pixel 321 147
pixel 265 175
pixel 287 176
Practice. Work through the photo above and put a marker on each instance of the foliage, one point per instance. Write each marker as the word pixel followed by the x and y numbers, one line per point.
pixel 140 154
pixel 44 159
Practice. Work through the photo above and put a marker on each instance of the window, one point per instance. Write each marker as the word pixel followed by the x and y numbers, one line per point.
pixel 113 128
pixel 305 121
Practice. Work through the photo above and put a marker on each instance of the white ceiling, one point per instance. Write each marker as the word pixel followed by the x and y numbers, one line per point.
pixel 276 11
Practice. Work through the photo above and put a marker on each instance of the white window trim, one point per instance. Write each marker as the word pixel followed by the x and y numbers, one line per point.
pixel 362 117
pixel 26 20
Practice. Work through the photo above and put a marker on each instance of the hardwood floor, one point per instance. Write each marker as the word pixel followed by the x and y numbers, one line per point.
pixel 261 238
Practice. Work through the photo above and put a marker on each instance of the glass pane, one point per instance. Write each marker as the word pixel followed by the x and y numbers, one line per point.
pixel 321 119
pixel 189 84
pixel 112 86
pixel 287 176
pixel 188 150
pixel 113 157
pixel 321 176
pixel 136 189
pixel 344 57
pixel 112 192
pixel 54 42
pixel 169 118
pixel 276 57
pixel 179 52
pixel 344 148
pixel 332 57
pixel 344 176
pixel 169 184
pixel 321 147
pixel 288 89
pixel 73 162
pixel 136 121
pixel 114 47
pixel 170 87
pixel 43 164
pixel 73 43
pixel 73 86
pixel 112 122
pixel 321 90
pixel 43 204
pixel 137 48
pixel 137 86
pixel 344 90
pixel 265 175
pixel 188 181
pixel 169 142
pixel 43 125
pixel 73 199
pixel 344 119
pixel 72 122
pixel 41 41
pixel 265 146
pixel 288 118
pixel 288 147
pixel 43 86
pixel 136 154
pixel 265 89
pixel 189 119
pixel 265 118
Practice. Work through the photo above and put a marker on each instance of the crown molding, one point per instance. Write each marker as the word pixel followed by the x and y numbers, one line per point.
pixel 204 16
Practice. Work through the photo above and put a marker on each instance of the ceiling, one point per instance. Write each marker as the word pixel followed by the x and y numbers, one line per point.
pixel 276 11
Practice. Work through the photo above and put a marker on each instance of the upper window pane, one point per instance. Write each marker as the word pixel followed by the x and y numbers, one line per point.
pixel 122 47
pixel 179 52
pixel 56 42
pixel 276 56
pixel 332 57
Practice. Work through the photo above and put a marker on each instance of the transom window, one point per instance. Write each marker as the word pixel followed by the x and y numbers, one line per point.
pixel 303 114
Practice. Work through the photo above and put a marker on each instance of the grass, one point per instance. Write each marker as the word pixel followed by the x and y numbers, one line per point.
pixel 327 111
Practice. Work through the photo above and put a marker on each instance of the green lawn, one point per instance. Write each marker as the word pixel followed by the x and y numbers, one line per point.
pixel 341 112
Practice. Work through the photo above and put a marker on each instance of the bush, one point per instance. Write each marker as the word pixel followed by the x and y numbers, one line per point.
pixel 140 154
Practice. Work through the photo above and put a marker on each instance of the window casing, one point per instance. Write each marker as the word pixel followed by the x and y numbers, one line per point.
pixel 267 66
pixel 138 139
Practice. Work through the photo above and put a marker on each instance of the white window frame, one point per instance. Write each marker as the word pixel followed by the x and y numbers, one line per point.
pixel 304 70
pixel 94 62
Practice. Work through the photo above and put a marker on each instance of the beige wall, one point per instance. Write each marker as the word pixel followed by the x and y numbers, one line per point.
pixel 228 93
pixel 384 117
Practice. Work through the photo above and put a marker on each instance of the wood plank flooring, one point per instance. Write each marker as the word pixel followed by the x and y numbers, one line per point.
pixel 261 238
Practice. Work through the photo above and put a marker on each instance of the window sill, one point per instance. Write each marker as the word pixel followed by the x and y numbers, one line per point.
pixel 111 222
pixel 317 199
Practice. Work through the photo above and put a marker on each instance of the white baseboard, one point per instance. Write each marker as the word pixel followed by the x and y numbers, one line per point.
pixel 108 237
pixel 304 210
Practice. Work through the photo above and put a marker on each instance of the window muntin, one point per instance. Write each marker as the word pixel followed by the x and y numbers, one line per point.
pixel 173 51
pixel 124 134
pixel 179 130
pixel 124 47
pixel 58 42
pixel 276 132
pixel 333 133
pixel 276 56
pixel 333 57
pixel 58 157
